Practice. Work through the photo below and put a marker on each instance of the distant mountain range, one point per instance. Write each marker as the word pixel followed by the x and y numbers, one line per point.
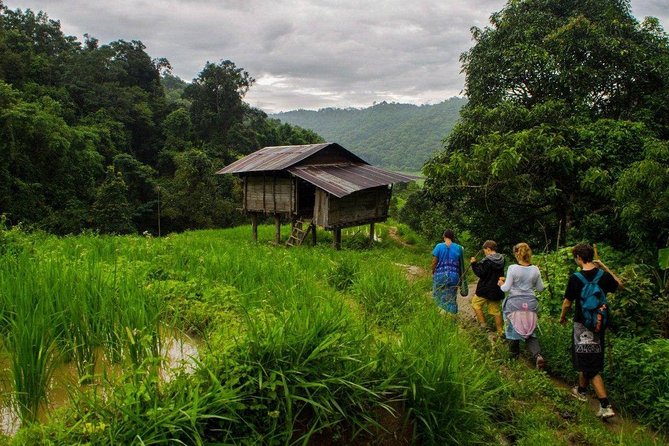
pixel 394 136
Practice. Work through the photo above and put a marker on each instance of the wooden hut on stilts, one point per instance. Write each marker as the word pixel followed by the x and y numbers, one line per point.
pixel 314 184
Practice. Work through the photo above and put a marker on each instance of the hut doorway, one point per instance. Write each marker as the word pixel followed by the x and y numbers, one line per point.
pixel 306 199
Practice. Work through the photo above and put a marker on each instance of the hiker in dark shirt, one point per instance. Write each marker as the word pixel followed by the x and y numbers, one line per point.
pixel 588 344
pixel 489 270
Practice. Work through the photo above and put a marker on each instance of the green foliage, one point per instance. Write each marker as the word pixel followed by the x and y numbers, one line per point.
pixel 343 274
pixel 555 340
pixel 639 378
pixel 395 136
pixel 111 211
pixel 641 308
pixel 546 145
pixel 307 366
pixel 448 396
pixel 70 108
pixel 663 258
pixel 216 99
pixel 384 294
pixel 196 198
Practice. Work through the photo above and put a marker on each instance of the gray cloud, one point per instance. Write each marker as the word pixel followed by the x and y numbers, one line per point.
pixel 303 53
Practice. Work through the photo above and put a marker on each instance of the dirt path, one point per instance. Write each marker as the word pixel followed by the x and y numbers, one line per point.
pixel 617 424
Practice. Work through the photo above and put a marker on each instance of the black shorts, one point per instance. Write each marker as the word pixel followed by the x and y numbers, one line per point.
pixel 587 349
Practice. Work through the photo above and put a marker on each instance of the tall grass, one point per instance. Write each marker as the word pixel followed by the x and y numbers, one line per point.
pixel 449 386
pixel 385 294
pixel 305 371
pixel 30 336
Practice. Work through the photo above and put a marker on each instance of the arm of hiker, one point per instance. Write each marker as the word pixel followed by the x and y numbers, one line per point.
pixel 603 266
pixel 505 283
pixel 434 264
pixel 566 305
pixel 478 267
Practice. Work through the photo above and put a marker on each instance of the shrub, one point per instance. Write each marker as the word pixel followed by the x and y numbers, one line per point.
pixel 384 293
pixel 449 388
pixel 555 340
pixel 638 377
pixel 342 274
pixel 640 309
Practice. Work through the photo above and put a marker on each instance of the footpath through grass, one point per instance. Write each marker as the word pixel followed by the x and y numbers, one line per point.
pixel 298 346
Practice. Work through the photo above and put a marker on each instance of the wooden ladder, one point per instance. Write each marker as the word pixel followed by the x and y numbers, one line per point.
pixel 299 233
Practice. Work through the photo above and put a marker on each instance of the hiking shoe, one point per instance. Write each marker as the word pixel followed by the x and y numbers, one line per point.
pixel 605 412
pixel 578 395
pixel 540 363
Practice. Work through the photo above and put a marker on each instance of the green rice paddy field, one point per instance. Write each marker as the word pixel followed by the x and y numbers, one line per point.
pixel 304 345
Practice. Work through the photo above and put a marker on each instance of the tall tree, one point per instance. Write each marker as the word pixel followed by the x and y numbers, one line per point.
pixel 216 96
pixel 111 212
pixel 563 96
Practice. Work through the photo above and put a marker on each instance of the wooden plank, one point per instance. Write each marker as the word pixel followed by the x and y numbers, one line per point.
pixel 336 240
pixel 254 226
pixel 277 229
pixel 245 193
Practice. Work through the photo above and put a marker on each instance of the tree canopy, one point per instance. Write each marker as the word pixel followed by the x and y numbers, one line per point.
pixel 567 122
pixel 89 138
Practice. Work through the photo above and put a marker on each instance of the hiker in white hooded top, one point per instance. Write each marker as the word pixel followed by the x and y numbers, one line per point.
pixel 521 305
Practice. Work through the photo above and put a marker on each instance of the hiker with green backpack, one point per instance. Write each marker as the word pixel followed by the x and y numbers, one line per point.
pixel 588 288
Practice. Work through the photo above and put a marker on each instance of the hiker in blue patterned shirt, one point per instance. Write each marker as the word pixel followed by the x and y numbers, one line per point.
pixel 447 269
pixel 588 341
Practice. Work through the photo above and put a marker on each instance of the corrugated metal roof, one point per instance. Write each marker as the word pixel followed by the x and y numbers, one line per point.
pixel 344 179
pixel 279 158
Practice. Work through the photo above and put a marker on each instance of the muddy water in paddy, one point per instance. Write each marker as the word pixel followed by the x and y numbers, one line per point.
pixel 179 351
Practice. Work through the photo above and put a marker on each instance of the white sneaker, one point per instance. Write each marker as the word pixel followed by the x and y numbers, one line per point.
pixel 605 412
pixel 578 395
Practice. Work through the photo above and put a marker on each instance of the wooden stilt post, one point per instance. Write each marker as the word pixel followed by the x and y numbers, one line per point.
pixel 313 234
pixel 371 232
pixel 336 240
pixel 277 229
pixel 254 226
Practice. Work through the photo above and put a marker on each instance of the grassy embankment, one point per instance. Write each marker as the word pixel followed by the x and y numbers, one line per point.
pixel 297 346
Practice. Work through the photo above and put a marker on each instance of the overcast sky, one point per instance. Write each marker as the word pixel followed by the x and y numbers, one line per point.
pixel 303 53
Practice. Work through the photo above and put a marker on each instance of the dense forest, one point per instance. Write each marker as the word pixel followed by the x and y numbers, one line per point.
pixel 89 139
pixel 395 136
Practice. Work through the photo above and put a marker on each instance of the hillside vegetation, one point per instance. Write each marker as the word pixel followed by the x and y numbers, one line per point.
pixel 395 136
pixel 100 137
pixel 296 346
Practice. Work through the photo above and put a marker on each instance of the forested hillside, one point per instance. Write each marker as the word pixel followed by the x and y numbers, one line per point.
pixel 395 136
pixel 90 140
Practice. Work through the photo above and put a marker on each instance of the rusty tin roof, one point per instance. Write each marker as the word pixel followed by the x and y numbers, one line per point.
pixel 279 158
pixel 344 179
pixel 338 179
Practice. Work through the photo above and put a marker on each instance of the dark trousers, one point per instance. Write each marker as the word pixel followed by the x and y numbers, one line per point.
pixel 532 346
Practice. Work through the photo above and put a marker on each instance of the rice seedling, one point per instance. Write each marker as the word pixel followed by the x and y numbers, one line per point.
pixel 33 356
pixel 385 294
pixel 29 335
pixel 307 366
pixel 449 387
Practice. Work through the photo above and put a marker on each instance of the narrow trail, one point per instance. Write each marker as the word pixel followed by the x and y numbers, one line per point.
pixel 617 424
